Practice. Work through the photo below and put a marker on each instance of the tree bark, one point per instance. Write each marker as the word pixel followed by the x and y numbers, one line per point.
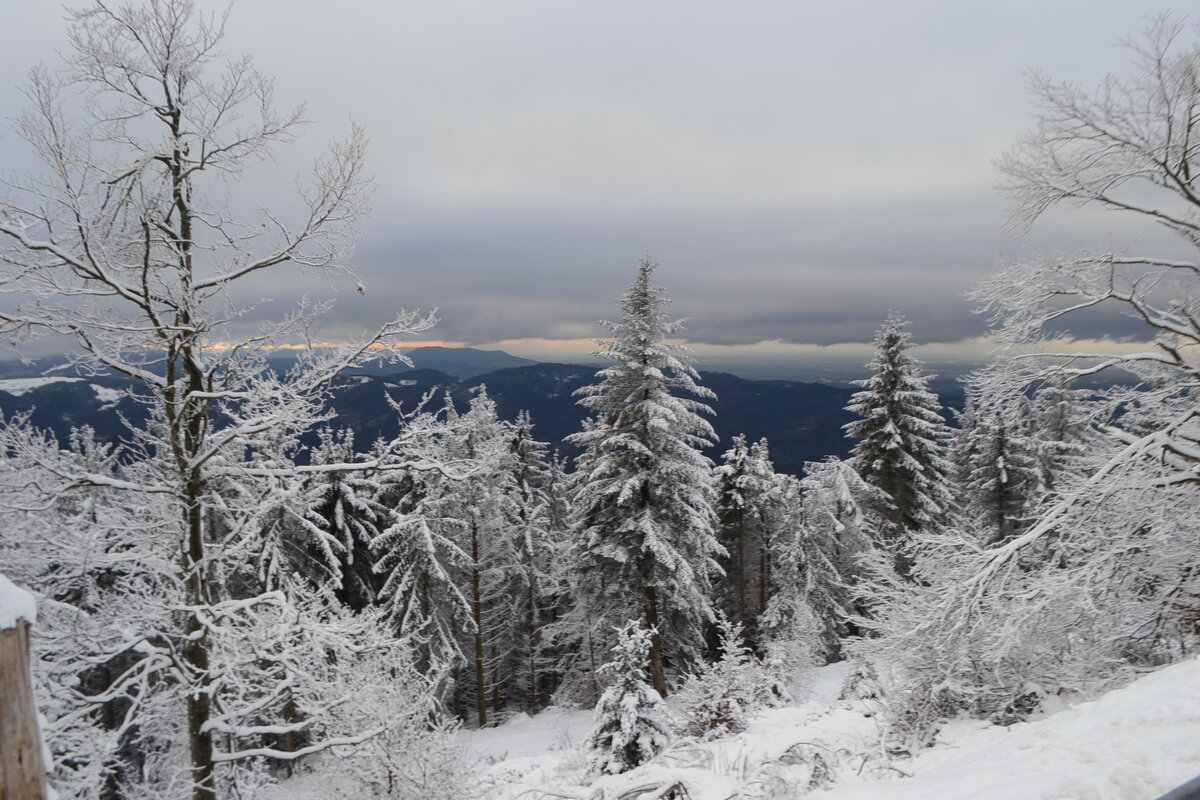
pixel 477 612
pixel 22 771
pixel 531 646
pixel 188 438
pixel 658 674
pixel 497 694
pixel 741 571
pixel 460 709
pixel 195 655
pixel 764 578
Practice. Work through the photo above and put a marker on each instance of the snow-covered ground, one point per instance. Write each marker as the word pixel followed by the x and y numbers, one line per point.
pixel 1134 743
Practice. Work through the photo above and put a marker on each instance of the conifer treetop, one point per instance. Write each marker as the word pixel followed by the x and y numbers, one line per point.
pixel 648 367
pixel 902 434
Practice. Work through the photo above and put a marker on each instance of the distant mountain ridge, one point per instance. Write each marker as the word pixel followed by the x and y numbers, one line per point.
pixel 460 362
pixel 465 362
pixel 802 421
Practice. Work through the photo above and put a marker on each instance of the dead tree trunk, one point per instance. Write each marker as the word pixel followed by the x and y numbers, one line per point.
pixel 22 770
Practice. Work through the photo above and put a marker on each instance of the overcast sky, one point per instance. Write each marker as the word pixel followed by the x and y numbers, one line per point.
pixel 797 168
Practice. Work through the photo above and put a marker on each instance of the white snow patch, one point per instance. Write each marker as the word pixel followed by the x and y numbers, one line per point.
pixel 106 395
pixel 523 735
pixel 15 604
pixel 525 752
pixel 1134 743
pixel 19 386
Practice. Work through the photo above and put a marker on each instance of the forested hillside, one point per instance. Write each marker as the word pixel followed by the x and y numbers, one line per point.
pixel 803 420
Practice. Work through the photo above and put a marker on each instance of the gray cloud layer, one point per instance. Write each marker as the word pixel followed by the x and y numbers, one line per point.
pixel 797 168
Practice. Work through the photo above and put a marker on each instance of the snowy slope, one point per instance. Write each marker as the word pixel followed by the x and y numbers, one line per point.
pixel 1132 744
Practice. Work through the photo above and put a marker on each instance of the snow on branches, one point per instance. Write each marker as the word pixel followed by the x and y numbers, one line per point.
pixel 644 499
pixel 631 718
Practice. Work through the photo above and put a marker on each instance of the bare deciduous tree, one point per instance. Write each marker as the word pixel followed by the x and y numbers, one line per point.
pixel 1131 147
pixel 126 243
pixel 1102 576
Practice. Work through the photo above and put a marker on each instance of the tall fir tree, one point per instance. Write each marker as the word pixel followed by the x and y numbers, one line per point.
pixel 485 510
pixel 533 529
pixel 455 578
pixel 821 559
pixel 999 473
pixel 564 658
pixel 1064 433
pixel 749 514
pixel 419 556
pixel 644 503
pixel 902 441
pixel 343 508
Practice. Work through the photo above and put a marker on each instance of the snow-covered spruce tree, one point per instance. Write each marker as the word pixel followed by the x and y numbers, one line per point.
pixel 718 699
pixel 485 506
pixel 453 574
pixel 749 514
pixel 644 503
pixel 902 438
pixel 631 717
pixel 534 549
pixel 126 244
pixel 557 490
pixel 419 555
pixel 1042 622
pixel 283 544
pixel 343 508
pixel 820 559
pixel 576 640
pixel 1065 432
pixel 562 642
pixel 995 456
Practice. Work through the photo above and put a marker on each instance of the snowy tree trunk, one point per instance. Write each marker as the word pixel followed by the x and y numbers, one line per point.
pixel 135 265
pixel 497 679
pixel 741 573
pixel 764 581
pixel 531 634
pixel 460 707
pixel 186 428
pixel 658 676
pixel 22 771
pixel 477 614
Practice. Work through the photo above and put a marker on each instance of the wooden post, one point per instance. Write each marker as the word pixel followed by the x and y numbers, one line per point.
pixel 22 770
